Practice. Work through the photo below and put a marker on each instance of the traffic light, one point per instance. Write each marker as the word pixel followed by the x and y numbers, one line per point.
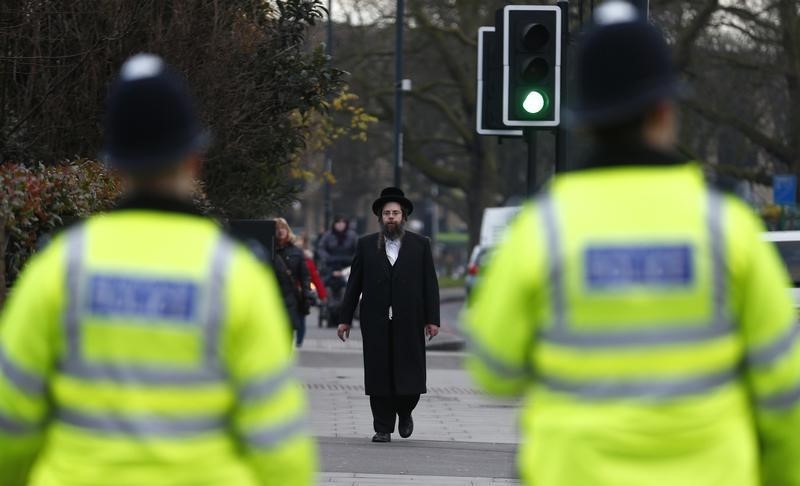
pixel 531 65
pixel 489 103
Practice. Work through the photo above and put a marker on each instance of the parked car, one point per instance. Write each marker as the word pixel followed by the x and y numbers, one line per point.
pixel 788 245
pixel 494 223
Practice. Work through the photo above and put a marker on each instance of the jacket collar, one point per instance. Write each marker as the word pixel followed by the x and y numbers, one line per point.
pixel 157 202
pixel 641 155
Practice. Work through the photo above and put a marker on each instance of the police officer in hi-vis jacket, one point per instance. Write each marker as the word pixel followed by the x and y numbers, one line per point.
pixel 143 346
pixel 636 308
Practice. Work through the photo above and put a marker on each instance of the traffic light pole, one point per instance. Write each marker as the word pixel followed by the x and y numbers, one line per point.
pixel 398 94
pixel 561 131
pixel 530 139
pixel 643 6
pixel 328 212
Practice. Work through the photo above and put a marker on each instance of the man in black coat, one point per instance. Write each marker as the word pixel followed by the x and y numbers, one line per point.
pixel 393 273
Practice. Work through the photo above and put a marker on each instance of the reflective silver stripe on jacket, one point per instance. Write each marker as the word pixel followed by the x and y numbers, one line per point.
pixel 555 257
pixel 263 387
pixel 653 335
pixel 209 371
pixel 16 427
pixel 651 388
pixel 562 332
pixel 220 262
pixel 25 381
pixel 782 400
pixel 776 349
pixel 268 437
pixel 496 366
pixel 141 426
pixel 75 250
pixel 140 375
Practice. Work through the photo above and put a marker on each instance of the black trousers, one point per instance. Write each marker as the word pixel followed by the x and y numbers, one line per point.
pixel 385 410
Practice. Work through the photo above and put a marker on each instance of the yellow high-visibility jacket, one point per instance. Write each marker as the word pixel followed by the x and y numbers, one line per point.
pixel 145 347
pixel 649 328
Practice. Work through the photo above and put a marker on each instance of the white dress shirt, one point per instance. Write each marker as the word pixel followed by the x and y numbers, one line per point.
pixel 392 250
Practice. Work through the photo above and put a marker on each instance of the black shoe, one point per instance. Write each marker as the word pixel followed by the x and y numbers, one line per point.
pixel 382 437
pixel 405 426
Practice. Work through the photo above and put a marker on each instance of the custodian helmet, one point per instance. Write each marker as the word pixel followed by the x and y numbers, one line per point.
pixel 151 119
pixel 624 66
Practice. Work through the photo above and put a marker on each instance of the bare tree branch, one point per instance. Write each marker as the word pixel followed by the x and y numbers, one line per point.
pixel 456 123
pixel 687 37
pixel 771 145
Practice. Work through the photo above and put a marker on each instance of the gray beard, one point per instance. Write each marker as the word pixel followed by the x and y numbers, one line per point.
pixel 393 234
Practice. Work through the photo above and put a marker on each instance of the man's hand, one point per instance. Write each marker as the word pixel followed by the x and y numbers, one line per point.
pixel 431 330
pixel 344 332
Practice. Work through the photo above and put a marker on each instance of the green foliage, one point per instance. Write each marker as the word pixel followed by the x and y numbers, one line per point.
pixel 279 83
pixel 345 118
pixel 37 200
pixel 248 62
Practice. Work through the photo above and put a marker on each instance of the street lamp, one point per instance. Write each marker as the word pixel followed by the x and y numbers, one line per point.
pixel 328 210
pixel 398 97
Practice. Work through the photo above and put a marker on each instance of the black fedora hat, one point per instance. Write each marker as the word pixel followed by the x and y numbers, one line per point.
pixel 392 194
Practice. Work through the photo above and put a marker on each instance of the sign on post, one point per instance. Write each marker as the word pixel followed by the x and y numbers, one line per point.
pixel 490 96
pixel 256 234
pixel 784 189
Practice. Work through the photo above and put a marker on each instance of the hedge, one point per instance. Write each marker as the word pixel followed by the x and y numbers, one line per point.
pixel 36 200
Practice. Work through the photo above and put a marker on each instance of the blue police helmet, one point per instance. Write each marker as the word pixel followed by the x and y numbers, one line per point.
pixel 624 66
pixel 151 120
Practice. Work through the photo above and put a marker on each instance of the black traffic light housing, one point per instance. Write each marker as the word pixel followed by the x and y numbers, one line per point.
pixel 531 65
pixel 489 116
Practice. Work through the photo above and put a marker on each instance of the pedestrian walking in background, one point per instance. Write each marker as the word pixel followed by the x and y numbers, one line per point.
pixel 297 293
pixel 144 346
pixel 336 249
pixel 637 308
pixel 393 273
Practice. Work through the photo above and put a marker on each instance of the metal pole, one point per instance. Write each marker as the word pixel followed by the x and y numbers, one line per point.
pixel 643 6
pixel 398 96
pixel 328 204
pixel 530 137
pixel 561 131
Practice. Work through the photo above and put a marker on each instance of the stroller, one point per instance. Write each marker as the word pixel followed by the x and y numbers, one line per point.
pixel 335 283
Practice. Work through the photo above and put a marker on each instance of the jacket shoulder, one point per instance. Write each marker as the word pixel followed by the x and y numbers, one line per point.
pixel 368 239
pixel 421 239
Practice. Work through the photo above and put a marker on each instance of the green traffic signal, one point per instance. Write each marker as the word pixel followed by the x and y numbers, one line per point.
pixel 531 65
pixel 534 102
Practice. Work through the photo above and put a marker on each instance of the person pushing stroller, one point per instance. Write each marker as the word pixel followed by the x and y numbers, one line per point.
pixel 336 249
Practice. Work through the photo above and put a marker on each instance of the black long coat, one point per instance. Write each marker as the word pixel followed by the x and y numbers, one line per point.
pixel 411 288
pixel 295 281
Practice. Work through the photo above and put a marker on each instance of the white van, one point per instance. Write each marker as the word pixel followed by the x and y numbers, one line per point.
pixel 788 245
pixel 493 226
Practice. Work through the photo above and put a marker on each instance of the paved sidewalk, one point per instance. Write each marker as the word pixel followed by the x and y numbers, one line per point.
pixel 461 437
pixel 342 479
pixel 452 410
